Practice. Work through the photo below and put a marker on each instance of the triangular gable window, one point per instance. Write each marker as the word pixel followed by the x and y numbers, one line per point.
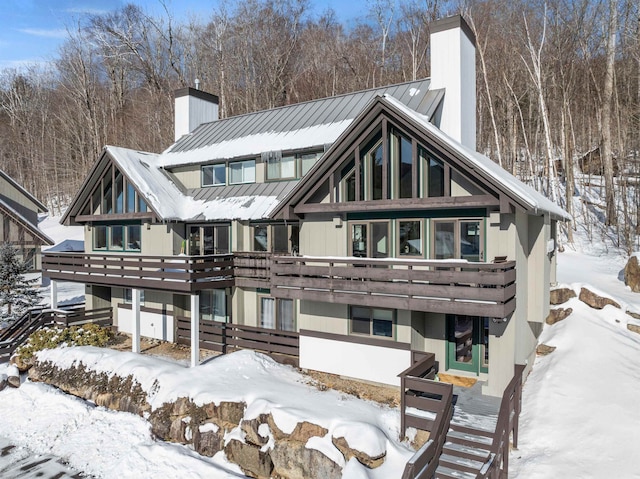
pixel 113 194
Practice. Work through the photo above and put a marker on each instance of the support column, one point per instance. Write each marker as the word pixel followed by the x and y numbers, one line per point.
pixel 195 330
pixel 135 320
pixel 54 294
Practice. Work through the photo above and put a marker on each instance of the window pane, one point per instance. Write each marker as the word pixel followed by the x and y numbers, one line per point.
pixel 285 315
pixel 280 239
pixel 436 177
pixel 131 198
pixel 119 193
pixel 445 246
pixel 470 240
pixel 295 239
pixel 361 320
pixel 307 161
pixel 133 237
pixel 260 238
pixel 235 172
pixel 406 170
pixel 99 237
pixel 117 237
pixel 359 240
pixel 194 240
pixel 222 239
pixel 273 168
pixel 410 238
pixel 207 176
pixel 348 182
pixel 376 173
pixel 207 239
pixel 249 171
pixel 380 239
pixel 267 319
pixel 242 172
pixel 206 305
pixel 213 175
pixel 107 202
pixel 463 333
pixel 142 206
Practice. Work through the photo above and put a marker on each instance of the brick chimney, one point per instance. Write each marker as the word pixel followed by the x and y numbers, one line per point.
pixel 453 68
pixel 193 108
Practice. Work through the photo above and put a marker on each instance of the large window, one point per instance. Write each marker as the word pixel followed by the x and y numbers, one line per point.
pixel 213 305
pixel 281 167
pixel 209 239
pixel 114 194
pixel 372 321
pixel 117 237
pixel 277 314
pixel 410 238
pixel 242 172
pixel 128 296
pixel 458 239
pixel 276 238
pixel 370 239
pixel 214 175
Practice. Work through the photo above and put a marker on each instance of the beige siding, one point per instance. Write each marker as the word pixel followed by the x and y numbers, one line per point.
pixel 188 176
pixel 323 238
pixel 461 186
pixel 12 193
pixel 324 317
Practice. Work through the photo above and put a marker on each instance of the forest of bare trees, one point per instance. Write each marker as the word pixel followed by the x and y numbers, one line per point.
pixel 558 85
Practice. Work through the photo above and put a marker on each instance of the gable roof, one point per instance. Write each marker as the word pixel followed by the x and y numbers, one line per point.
pixel 19 219
pixel 481 166
pixel 302 125
pixel 21 189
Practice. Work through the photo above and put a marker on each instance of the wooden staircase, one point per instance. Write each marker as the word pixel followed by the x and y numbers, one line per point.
pixel 455 451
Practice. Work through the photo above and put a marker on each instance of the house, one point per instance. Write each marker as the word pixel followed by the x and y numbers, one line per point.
pixel 19 221
pixel 363 228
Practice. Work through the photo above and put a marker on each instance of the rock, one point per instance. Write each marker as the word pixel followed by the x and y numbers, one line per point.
pixel 277 433
pixel 252 461
pixel 558 314
pixel 208 439
pixel 3 381
pixel 593 300
pixel 306 430
pixel 13 376
pixel 343 446
pixel 181 407
pixel 178 430
pixel 633 327
pixel 250 429
pixel 543 349
pixel 420 439
pixel 633 315
pixel 632 274
pixel 561 295
pixel 291 460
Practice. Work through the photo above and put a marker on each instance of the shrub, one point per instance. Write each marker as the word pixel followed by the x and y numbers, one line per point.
pixel 52 337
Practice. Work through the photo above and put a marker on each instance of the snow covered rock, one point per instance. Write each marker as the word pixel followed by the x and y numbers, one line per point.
pixel 558 314
pixel 13 377
pixel 252 461
pixel 292 460
pixel 362 457
pixel 3 381
pixel 595 301
pixel 632 274
pixel 251 429
pixel 208 439
pixel 633 328
pixel 561 295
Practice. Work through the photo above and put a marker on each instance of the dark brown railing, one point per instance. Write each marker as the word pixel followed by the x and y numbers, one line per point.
pixel 419 391
pixel 484 289
pixel 185 274
pixel 35 319
pixel 252 270
pixel 226 337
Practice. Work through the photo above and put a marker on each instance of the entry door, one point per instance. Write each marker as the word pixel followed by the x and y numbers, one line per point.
pixel 468 343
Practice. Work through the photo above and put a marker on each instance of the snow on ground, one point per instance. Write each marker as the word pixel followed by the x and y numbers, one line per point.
pixel 50 225
pixel 579 413
pixel 106 443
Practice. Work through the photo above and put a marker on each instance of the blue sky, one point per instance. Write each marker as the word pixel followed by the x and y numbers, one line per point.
pixel 32 30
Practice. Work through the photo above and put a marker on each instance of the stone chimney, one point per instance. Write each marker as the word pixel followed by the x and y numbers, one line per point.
pixel 453 68
pixel 192 109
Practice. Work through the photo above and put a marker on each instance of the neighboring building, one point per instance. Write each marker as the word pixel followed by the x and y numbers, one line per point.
pixel 366 222
pixel 19 211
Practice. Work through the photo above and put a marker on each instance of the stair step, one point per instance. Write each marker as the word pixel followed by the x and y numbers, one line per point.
pixel 443 472
pixel 467 452
pixel 461 464
pixel 467 439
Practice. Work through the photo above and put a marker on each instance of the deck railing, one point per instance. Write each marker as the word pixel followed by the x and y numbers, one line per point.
pixel 226 337
pixel 252 269
pixel 457 287
pixel 186 274
pixel 419 392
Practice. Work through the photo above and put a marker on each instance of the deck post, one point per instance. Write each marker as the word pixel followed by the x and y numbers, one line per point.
pixel 135 320
pixel 54 294
pixel 195 330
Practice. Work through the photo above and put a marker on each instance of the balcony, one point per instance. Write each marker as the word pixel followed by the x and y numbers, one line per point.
pixel 180 274
pixel 451 287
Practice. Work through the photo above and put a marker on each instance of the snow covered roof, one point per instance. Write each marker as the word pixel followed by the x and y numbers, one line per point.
pixel 479 162
pixel 19 218
pixel 21 189
pixel 242 202
pixel 303 125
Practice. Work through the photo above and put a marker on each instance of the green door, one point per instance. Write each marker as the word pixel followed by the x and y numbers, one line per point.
pixel 468 343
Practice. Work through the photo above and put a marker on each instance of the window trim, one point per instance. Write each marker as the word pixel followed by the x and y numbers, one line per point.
pixel 456 235
pixel 213 166
pixel 109 238
pixel 394 323
pixel 277 319
pixel 244 181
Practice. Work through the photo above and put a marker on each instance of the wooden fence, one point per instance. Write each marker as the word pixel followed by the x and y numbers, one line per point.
pixel 226 337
